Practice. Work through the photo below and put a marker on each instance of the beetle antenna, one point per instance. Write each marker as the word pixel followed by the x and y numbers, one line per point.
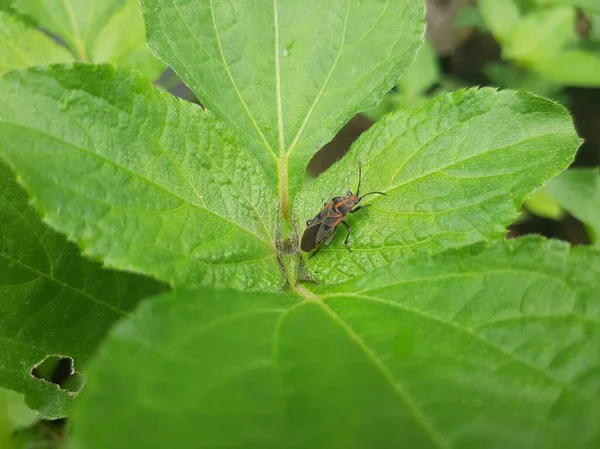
pixel 359 177
pixel 372 193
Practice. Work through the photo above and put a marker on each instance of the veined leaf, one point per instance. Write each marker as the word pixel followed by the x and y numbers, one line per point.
pixel 52 300
pixel 77 22
pixel 96 31
pixel 286 74
pixel 22 46
pixel 578 191
pixel 455 172
pixel 123 41
pixel 493 346
pixel 139 179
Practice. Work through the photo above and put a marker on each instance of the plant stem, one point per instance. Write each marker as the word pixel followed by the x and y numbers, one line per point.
pixel 284 207
pixel 305 294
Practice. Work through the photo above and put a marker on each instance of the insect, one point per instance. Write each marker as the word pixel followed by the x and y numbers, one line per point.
pixel 322 227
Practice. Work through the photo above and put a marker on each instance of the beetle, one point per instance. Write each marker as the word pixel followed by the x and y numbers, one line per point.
pixel 322 227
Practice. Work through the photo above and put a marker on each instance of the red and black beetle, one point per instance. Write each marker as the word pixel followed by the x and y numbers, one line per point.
pixel 324 225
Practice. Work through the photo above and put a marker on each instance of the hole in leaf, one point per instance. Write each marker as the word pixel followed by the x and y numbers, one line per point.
pixel 59 370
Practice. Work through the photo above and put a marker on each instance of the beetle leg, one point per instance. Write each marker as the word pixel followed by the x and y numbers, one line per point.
pixel 359 208
pixel 321 246
pixel 348 236
pixel 316 251
pixel 329 237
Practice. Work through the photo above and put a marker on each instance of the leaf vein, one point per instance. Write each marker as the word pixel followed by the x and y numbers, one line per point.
pixel 322 90
pixel 474 335
pixel 435 436
pixel 229 74
pixel 64 285
pixel 37 236
pixel 454 163
pixel 141 177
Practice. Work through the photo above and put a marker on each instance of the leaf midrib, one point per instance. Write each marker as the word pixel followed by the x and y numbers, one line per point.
pixel 266 144
pixel 188 256
pixel 437 438
pixel 79 45
pixel 439 170
pixel 420 417
pixel 535 274
pixel 470 333
pixel 278 95
pixel 313 106
pixel 25 345
pixel 466 159
pixel 236 185
pixel 454 127
pixel 33 231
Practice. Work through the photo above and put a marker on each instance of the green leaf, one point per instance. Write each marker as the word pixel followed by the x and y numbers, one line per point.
pixel 500 16
pixel 139 179
pixel 572 67
pixel 455 171
pixel 493 346
pixel 506 75
pixel 286 74
pixel 22 46
pixel 14 413
pixel 469 16
pixel 123 41
pixel 77 22
pixel 541 35
pixel 418 77
pixel 97 30
pixel 542 204
pixel 593 16
pixel 53 300
pixel 591 5
pixel 421 74
pixel 578 191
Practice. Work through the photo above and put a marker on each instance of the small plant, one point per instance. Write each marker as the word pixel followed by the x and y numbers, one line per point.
pixel 414 85
pixel 37 32
pixel 576 191
pixel 433 331
pixel 540 40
